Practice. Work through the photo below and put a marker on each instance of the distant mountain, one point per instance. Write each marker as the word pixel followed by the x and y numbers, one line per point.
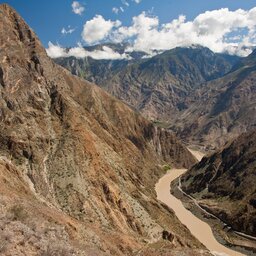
pixel 77 166
pixel 204 97
pixel 225 183
pixel 156 86
pixel 249 61
pixel 221 109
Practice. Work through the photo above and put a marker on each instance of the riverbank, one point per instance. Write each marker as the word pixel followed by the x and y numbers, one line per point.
pixel 197 226
pixel 221 231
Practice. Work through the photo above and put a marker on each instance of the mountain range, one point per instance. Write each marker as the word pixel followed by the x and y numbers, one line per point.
pixel 206 98
pixel 223 108
pixel 154 86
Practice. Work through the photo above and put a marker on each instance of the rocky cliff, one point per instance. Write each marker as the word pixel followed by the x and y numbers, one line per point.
pixel 77 166
pixel 225 183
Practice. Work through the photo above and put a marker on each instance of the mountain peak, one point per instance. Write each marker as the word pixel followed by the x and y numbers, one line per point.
pixel 6 7
pixel 20 47
pixel 15 31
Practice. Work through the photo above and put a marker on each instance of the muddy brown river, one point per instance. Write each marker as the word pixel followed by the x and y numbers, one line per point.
pixel 200 229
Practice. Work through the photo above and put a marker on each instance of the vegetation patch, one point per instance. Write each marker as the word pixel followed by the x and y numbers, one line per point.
pixel 18 213
pixel 166 167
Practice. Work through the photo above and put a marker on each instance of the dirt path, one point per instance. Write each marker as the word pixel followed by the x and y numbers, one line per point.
pixel 201 230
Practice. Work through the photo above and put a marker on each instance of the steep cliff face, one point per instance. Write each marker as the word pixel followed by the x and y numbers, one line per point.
pixel 76 165
pixel 225 183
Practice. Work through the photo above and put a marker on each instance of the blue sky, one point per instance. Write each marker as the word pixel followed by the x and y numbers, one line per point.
pixel 49 17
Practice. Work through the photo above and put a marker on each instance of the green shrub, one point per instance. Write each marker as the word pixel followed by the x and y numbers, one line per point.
pixel 166 167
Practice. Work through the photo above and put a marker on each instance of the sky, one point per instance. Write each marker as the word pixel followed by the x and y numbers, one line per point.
pixel 149 25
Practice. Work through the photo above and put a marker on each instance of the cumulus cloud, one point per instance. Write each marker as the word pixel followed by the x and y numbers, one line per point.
pixel 220 30
pixel 142 27
pixel 137 1
pixel 56 51
pixel 98 29
pixel 208 29
pixel 68 30
pixel 77 8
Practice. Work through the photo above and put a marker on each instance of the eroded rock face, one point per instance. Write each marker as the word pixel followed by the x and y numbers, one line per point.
pixel 225 183
pixel 76 160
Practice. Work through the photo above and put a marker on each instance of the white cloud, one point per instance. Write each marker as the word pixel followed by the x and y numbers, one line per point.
pixel 98 29
pixel 209 29
pixel 115 10
pixel 220 30
pixel 137 1
pixel 142 25
pixel 68 30
pixel 77 8
pixel 56 51
pixel 124 2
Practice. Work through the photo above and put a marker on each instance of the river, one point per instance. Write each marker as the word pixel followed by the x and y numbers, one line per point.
pixel 200 229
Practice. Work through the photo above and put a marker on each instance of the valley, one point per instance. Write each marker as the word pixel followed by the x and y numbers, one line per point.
pixel 151 154
pixel 210 113
pixel 205 98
